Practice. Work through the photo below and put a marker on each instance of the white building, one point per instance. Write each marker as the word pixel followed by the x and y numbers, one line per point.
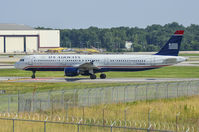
pixel 128 45
pixel 20 38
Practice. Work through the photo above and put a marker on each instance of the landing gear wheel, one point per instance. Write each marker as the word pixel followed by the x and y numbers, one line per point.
pixel 102 76
pixel 93 76
pixel 33 74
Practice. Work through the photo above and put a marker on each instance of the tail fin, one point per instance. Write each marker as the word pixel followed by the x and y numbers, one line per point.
pixel 172 47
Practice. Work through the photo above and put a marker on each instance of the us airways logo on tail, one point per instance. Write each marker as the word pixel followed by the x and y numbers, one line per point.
pixel 173 45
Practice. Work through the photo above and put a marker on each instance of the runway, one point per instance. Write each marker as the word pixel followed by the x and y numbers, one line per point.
pixel 88 80
pixel 6 66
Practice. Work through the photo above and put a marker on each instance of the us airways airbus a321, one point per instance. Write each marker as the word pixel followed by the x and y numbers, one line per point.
pixel 89 65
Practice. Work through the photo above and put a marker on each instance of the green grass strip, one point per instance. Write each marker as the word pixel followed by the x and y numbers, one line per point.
pixel 166 72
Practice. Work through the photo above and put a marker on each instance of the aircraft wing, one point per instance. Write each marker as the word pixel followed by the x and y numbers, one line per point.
pixel 87 66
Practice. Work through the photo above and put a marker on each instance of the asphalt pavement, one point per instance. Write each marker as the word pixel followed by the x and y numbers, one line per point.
pixel 88 80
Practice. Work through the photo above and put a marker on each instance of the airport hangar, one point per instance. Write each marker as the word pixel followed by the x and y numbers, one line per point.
pixel 16 38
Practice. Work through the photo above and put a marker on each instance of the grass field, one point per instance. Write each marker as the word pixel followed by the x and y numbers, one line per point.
pixel 14 87
pixel 188 54
pixel 165 72
pixel 162 112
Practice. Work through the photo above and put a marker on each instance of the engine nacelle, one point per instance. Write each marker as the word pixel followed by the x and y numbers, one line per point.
pixel 71 71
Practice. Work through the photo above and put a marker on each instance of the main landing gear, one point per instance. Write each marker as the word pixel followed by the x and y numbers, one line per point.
pixel 33 74
pixel 93 76
pixel 102 76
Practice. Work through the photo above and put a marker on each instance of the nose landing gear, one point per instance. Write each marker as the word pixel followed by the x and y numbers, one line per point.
pixel 33 74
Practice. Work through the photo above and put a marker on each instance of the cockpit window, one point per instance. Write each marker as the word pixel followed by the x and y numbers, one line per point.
pixel 21 59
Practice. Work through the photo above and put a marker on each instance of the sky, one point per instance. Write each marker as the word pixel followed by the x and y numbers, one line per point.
pixel 76 14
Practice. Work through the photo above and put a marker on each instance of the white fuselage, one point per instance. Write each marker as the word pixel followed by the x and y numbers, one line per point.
pixel 102 62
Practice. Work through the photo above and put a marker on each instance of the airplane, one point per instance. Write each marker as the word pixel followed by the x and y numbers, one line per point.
pixel 89 65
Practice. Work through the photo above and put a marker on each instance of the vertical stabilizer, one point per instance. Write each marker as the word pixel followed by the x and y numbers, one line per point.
pixel 172 47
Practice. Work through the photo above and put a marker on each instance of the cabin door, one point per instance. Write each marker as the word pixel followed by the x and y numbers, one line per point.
pixel 106 61
pixel 30 62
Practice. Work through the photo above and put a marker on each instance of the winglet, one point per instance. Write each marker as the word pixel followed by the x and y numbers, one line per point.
pixel 179 32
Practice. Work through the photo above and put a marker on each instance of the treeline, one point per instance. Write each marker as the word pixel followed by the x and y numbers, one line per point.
pixel 151 38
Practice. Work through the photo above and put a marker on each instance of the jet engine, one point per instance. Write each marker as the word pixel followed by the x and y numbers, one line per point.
pixel 71 71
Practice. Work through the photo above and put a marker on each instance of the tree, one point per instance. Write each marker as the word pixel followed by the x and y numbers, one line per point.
pixel 151 38
pixel 152 48
pixel 137 47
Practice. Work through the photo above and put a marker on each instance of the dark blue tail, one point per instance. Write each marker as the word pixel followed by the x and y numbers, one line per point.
pixel 172 47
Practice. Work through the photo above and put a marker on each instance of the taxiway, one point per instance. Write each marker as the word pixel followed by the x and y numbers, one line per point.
pixel 88 80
